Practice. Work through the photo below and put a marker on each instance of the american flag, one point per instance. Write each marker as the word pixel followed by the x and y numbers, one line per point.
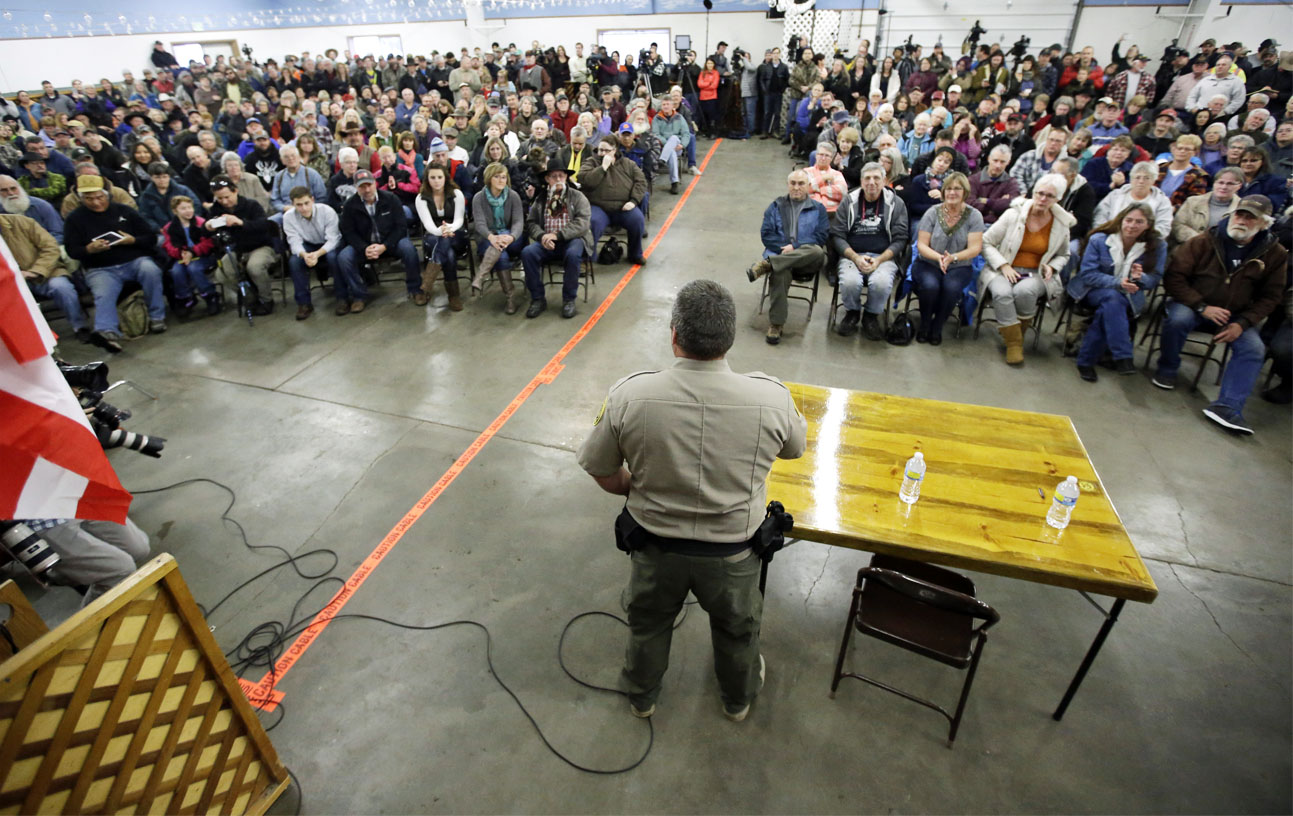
pixel 51 463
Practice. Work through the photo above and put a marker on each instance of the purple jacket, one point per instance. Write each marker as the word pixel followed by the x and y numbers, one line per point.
pixel 999 193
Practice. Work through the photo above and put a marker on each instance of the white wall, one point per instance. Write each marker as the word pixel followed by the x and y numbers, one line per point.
pixel 1045 21
pixel 1101 27
pixel 27 62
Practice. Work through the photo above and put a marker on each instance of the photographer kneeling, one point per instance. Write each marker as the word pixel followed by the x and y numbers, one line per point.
pixel 246 237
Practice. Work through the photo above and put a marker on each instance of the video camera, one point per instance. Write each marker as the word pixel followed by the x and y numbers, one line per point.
pixel 1020 48
pixel 1172 51
pixel 970 42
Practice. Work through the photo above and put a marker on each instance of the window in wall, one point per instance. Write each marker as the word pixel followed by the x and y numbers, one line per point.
pixel 378 45
pixel 633 40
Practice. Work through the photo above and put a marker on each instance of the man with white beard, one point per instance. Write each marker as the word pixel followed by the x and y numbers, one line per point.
pixel 1225 281
pixel 15 201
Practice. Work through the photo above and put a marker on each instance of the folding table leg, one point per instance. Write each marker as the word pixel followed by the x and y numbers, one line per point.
pixel 1110 618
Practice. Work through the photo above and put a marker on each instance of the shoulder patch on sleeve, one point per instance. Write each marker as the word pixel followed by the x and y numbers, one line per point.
pixel 601 413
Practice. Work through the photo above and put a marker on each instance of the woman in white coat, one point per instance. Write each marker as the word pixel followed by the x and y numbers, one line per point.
pixel 1139 189
pixel 886 81
pixel 1024 251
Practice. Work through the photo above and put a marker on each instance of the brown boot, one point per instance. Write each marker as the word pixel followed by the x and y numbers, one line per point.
pixel 455 296
pixel 1025 323
pixel 1014 337
pixel 505 281
pixel 482 271
pixel 429 276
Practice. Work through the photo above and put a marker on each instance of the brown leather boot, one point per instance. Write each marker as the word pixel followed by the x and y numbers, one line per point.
pixel 1025 323
pixel 455 297
pixel 429 276
pixel 1014 337
pixel 509 289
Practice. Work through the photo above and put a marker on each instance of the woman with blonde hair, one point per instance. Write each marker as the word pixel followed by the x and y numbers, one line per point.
pixel 948 239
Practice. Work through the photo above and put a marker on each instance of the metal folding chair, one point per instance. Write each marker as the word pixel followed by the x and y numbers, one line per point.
pixel 927 610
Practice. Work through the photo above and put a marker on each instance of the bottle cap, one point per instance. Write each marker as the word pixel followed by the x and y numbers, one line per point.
pixel 919 455
pixel 1071 479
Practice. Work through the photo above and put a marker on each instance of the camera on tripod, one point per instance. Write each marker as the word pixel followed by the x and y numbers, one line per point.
pixel 1020 48
pixel 969 43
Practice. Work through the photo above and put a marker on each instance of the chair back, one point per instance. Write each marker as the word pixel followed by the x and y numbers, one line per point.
pixel 930 594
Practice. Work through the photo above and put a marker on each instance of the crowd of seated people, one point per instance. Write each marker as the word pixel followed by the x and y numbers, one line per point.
pixel 1019 184
pixel 223 171
pixel 1053 182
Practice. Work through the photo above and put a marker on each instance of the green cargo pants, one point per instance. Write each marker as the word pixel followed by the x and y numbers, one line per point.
pixel 727 589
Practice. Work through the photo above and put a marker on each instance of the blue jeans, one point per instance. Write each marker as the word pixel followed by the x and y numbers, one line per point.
pixel 878 285
pixel 106 282
pixel 301 273
pixel 62 291
pixel 938 293
pixel 1111 327
pixel 1246 354
pixel 691 151
pixel 751 113
pixel 510 255
pixel 193 275
pixel 444 251
pixel 571 255
pixel 669 155
pixel 632 221
pixel 350 286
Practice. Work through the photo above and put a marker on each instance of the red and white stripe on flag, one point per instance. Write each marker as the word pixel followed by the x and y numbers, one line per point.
pixel 51 463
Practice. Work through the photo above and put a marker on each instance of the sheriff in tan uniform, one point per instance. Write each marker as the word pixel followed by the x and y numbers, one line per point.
pixel 698 441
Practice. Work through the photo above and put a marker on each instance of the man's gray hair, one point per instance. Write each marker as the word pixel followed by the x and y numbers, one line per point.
pixel 1145 168
pixel 1229 171
pixel 288 149
pixel 1241 140
pixel 1001 150
pixel 704 319
pixel 1067 161
pixel 230 158
pixel 826 147
pixel 578 131
pixel 872 167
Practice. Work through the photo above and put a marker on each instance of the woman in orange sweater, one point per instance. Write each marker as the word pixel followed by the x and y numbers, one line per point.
pixel 708 85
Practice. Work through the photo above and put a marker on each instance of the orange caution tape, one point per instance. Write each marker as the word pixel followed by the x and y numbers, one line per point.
pixel 263 695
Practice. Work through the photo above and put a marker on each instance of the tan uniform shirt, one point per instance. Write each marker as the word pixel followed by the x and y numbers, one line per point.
pixel 699 441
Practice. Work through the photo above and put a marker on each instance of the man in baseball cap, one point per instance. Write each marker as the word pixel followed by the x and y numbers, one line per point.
pixel 373 228
pixel 1225 281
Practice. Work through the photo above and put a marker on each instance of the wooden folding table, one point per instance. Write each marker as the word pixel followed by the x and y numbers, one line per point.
pixel 990 476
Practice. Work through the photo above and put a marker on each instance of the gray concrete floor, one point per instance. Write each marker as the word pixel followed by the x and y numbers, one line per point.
pixel 331 429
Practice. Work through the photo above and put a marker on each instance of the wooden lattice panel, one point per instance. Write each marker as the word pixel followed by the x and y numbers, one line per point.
pixel 130 707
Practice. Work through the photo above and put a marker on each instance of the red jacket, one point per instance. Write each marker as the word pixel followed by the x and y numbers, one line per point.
pixel 708 85
pixel 173 239
pixel 1094 73
pixel 564 123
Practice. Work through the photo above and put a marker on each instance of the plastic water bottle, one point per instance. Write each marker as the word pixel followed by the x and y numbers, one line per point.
pixel 1066 496
pixel 913 474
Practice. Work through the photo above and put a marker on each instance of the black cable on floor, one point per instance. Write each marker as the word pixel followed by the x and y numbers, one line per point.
pixel 265 643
